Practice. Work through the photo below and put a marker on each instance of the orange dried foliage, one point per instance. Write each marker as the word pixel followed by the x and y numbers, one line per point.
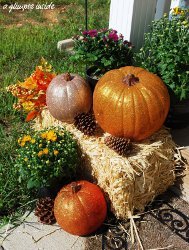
pixel 31 93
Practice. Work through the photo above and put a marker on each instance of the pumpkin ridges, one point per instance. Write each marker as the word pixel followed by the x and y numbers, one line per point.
pixel 133 123
pixel 159 99
pixel 142 126
pixel 81 220
pixel 129 123
pixel 81 99
pixel 116 108
pixel 87 223
pixel 153 108
pixel 87 215
pixel 122 120
pixel 137 104
pixel 165 93
pixel 146 105
pixel 108 105
pixel 154 91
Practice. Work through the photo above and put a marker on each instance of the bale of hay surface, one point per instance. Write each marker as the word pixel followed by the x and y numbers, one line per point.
pixel 131 182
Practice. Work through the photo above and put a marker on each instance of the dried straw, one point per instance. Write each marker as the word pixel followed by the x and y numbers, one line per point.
pixel 131 182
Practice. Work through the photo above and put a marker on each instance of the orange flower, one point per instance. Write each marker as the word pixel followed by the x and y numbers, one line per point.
pixel 31 93
pixel 55 152
pixel 45 151
pixel 26 138
pixel 40 153
pixel 29 83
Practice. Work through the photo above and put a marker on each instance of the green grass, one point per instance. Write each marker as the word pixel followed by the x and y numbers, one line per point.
pixel 36 15
pixel 21 49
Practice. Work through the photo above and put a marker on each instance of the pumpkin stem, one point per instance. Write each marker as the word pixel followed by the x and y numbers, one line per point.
pixel 130 79
pixel 75 187
pixel 67 77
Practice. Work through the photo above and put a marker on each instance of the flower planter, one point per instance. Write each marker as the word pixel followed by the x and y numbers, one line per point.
pixel 91 79
pixel 178 116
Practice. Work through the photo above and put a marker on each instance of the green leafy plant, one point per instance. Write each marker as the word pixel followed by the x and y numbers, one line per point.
pixel 47 156
pixel 104 49
pixel 165 52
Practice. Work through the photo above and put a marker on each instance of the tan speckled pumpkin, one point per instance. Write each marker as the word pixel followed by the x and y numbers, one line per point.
pixel 67 96
pixel 130 102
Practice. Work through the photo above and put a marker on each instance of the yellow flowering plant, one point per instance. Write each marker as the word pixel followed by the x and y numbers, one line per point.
pixel 46 156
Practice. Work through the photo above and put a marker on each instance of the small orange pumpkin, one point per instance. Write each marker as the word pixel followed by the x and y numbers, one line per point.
pixel 131 102
pixel 80 208
pixel 67 96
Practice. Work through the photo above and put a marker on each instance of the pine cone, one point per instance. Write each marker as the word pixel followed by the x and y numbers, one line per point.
pixel 45 210
pixel 121 145
pixel 86 123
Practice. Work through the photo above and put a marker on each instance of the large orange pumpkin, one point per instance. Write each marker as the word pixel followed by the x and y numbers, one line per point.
pixel 130 102
pixel 67 96
pixel 80 208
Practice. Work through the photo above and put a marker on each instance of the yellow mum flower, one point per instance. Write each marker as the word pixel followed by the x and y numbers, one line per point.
pixel 44 135
pixel 40 153
pixel 22 144
pixel 177 10
pixel 51 136
pixel 26 159
pixel 40 145
pixel 32 141
pixel 26 138
pixel 55 152
pixel 45 151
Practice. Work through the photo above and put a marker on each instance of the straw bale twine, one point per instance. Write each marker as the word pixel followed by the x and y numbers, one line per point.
pixel 131 182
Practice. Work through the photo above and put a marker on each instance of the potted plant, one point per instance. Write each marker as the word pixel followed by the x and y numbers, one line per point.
pixel 47 157
pixel 101 51
pixel 165 52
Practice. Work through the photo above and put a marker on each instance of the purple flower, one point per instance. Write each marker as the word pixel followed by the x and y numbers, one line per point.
pixel 85 32
pixel 112 35
pixel 92 33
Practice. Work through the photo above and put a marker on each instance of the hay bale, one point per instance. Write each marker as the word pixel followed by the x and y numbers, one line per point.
pixel 129 182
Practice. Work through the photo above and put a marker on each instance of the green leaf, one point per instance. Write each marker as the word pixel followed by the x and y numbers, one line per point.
pixel 32 183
